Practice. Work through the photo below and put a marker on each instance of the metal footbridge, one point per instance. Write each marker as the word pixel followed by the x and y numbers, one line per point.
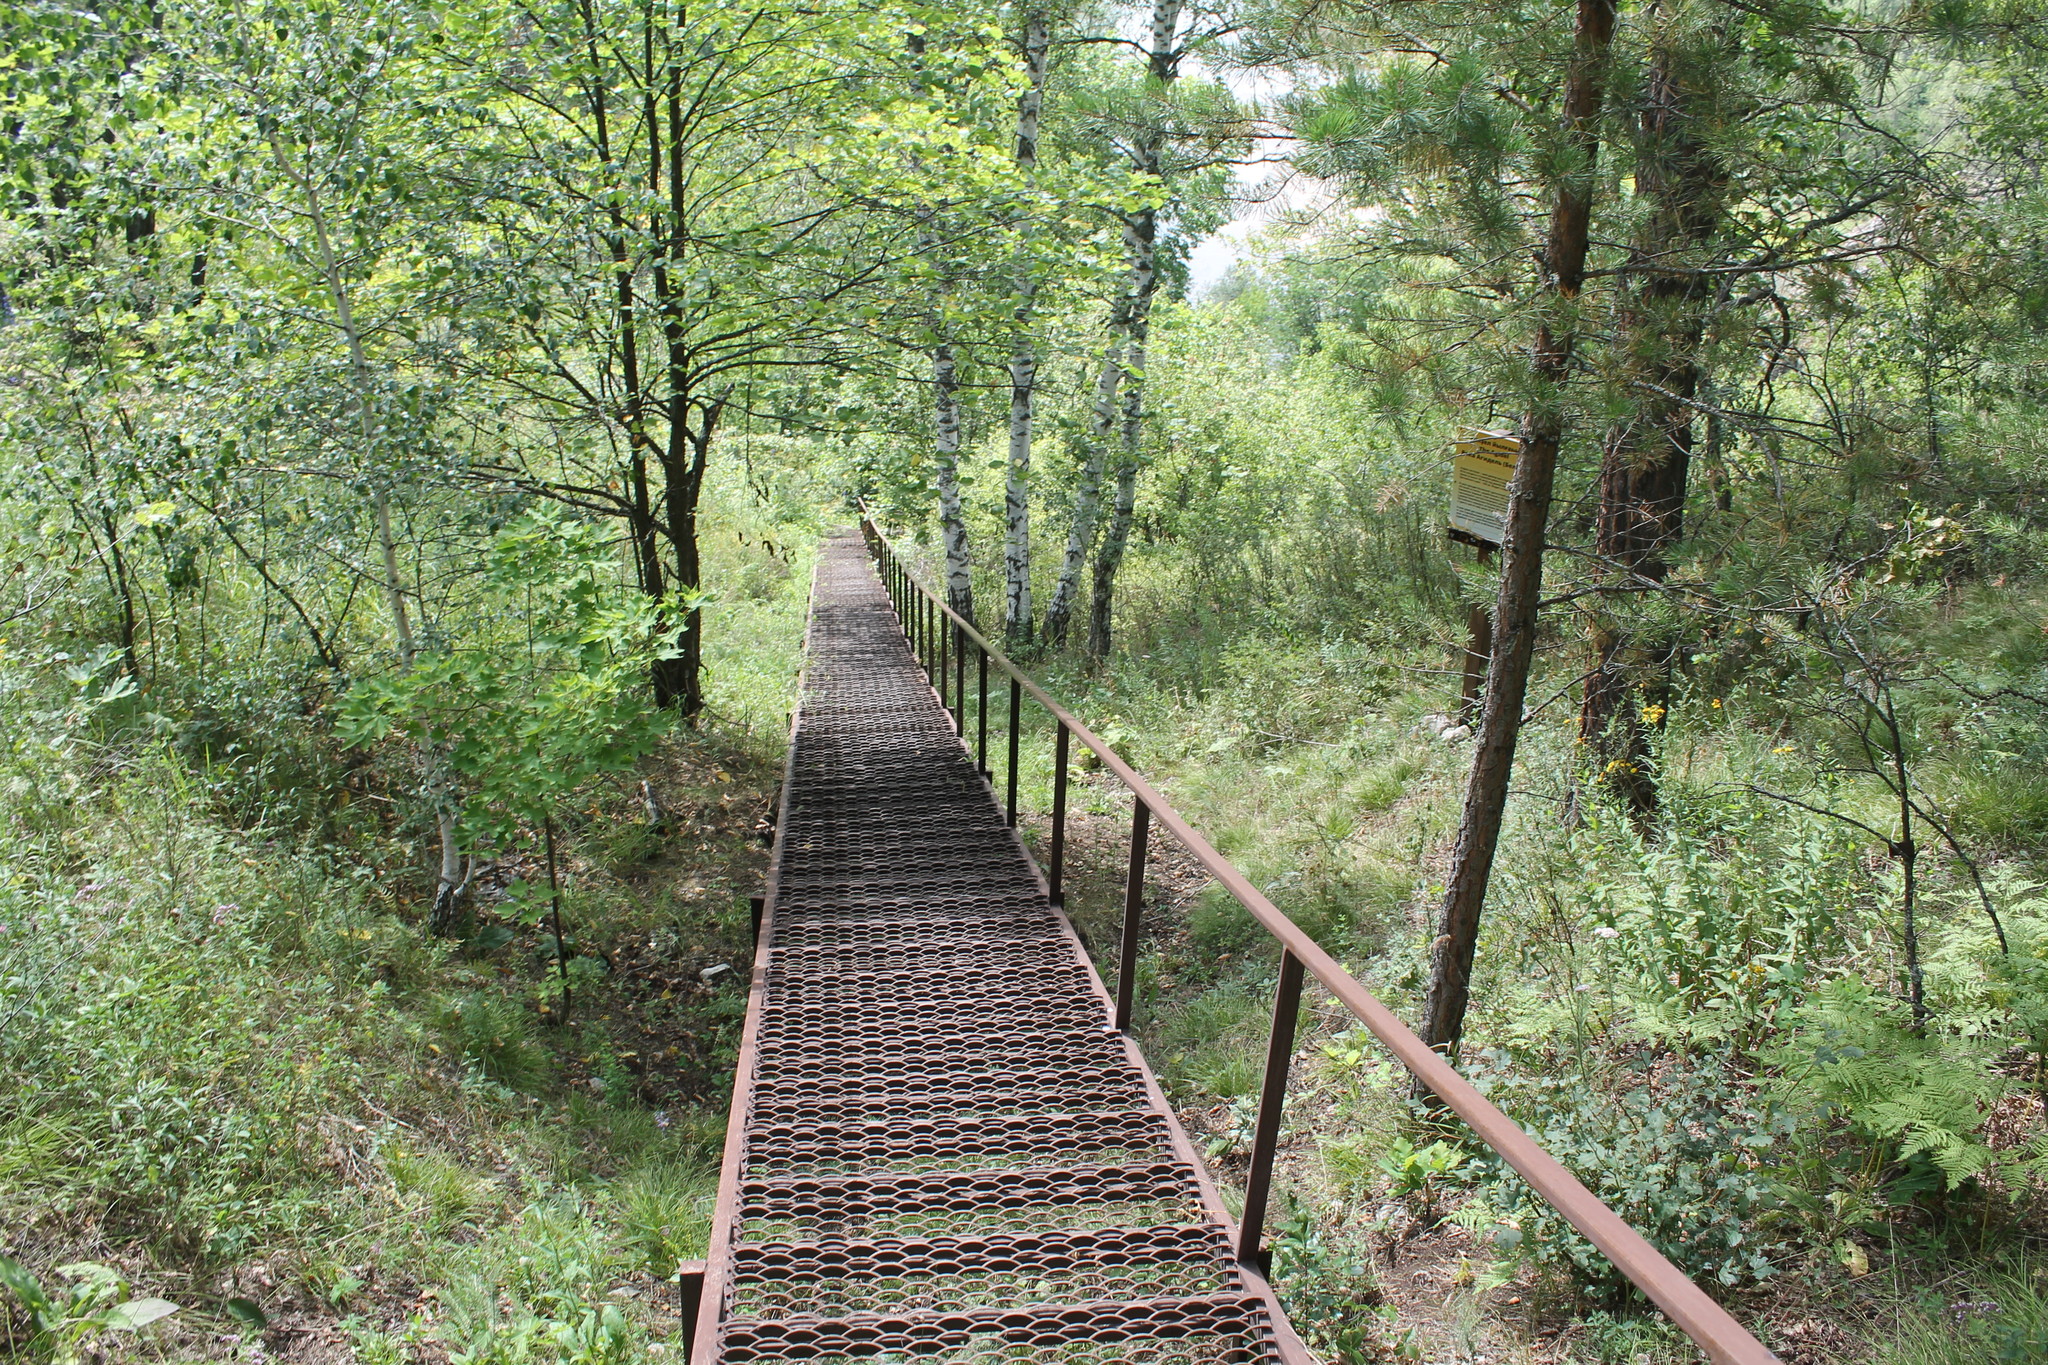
pixel 945 1145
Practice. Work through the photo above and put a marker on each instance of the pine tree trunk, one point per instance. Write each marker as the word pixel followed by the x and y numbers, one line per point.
pixel 946 441
pixel 1646 460
pixel 1521 577
pixel 1036 48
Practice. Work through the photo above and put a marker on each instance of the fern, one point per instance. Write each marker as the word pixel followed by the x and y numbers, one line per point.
pixel 1909 1095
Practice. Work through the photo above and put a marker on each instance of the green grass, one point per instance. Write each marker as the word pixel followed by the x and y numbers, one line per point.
pixel 229 1054
pixel 240 1053
pixel 1994 1314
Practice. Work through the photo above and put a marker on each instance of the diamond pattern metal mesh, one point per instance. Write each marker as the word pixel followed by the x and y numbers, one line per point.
pixel 948 1153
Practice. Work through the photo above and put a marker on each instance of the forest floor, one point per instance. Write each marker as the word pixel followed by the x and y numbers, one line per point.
pixel 240 1074
pixel 665 909
pixel 1390 1276
pixel 488 1170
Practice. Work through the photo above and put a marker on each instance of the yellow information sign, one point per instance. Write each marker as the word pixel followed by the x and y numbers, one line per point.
pixel 1481 466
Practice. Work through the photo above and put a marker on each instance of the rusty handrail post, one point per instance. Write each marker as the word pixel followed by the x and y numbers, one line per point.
pixel 1016 709
pixel 1056 859
pixel 1134 915
pixel 960 684
pixel 945 630
pixel 1258 1183
pixel 981 712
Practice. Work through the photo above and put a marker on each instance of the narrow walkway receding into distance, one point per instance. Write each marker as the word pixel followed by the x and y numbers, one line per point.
pixel 941 1148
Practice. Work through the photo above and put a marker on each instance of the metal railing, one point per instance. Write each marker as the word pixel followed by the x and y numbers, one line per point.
pixel 940 639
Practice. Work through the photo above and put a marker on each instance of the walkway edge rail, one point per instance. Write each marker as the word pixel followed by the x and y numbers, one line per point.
pixel 940 638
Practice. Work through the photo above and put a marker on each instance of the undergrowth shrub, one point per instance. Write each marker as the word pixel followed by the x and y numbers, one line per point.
pixel 534 1290
pixel 1713 923
pixel 1332 1296
pixel 1679 1152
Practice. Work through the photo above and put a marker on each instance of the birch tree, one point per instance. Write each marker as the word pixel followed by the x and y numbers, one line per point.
pixel 1034 47
pixel 1174 138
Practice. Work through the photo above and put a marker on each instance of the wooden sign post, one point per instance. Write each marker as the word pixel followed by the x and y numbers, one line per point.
pixel 1481 465
pixel 1482 462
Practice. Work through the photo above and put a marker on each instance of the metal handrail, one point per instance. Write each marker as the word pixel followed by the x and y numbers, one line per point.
pixel 939 636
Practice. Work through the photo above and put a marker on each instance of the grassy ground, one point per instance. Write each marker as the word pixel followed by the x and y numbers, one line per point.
pixel 1699 1111
pixel 236 1072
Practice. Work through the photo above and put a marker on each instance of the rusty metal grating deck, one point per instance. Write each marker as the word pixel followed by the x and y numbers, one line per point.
pixel 942 1150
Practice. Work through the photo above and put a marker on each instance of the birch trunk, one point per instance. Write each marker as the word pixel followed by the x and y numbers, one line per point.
pixel 1141 239
pixel 1017 616
pixel 435 780
pixel 946 440
pixel 1110 557
pixel 1088 490
pixel 1521 576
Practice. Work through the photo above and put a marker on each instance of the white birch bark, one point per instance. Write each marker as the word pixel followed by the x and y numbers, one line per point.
pixel 1088 489
pixel 1017 615
pixel 1141 237
pixel 1109 557
pixel 946 441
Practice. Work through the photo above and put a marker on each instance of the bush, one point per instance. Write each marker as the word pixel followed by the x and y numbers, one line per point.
pixel 1678 1154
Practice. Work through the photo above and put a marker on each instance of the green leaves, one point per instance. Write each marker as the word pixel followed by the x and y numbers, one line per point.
pixel 69 1320
pixel 525 723
pixel 139 1313
pixel 1920 1098
pixel 16 1279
